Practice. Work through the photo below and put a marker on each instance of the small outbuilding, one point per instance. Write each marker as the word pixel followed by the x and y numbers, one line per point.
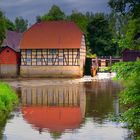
pixel 130 55
pixel 10 55
pixel 53 49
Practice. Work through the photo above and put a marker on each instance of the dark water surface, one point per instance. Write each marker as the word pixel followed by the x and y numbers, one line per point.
pixel 67 112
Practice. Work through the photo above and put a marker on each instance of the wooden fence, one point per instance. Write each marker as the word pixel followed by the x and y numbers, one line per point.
pixel 104 61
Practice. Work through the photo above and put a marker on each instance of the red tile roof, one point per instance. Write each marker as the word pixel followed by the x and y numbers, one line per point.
pixel 52 34
pixel 12 40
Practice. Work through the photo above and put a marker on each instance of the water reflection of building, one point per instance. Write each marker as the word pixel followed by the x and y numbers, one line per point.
pixel 56 108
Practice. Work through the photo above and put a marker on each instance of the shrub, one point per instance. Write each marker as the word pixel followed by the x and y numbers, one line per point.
pixel 129 72
pixel 125 69
pixel 130 98
pixel 8 98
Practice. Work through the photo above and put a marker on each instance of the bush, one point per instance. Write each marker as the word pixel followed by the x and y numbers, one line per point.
pixel 129 72
pixel 125 69
pixel 130 98
pixel 91 56
pixel 8 98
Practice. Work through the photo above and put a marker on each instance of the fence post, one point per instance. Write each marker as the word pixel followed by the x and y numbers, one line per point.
pixel 110 61
pixel 97 63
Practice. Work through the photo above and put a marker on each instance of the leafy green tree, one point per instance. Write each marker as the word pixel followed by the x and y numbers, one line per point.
pixel 55 13
pixel 38 19
pixel 126 6
pixel 117 25
pixel 80 19
pixel 9 25
pixel 128 12
pixel 131 39
pixel 100 36
pixel 90 16
pixel 82 22
pixel 2 27
pixel 21 24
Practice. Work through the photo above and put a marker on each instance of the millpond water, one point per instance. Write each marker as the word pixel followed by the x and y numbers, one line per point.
pixel 66 110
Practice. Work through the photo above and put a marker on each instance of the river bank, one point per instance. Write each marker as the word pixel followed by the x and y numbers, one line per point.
pixel 8 98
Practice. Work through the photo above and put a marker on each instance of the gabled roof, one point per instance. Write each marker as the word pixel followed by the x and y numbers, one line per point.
pixel 4 47
pixel 52 34
pixel 12 40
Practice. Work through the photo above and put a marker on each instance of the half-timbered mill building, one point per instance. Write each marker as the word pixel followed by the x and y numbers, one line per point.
pixel 10 55
pixel 53 49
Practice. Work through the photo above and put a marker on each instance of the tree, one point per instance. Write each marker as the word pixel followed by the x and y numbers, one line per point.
pixel 38 19
pixel 2 27
pixel 100 36
pixel 21 24
pixel 130 37
pixel 117 25
pixel 55 13
pixel 126 6
pixel 80 19
pixel 131 40
pixel 9 25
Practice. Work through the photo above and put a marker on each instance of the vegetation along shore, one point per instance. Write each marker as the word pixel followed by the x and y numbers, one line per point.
pixel 8 98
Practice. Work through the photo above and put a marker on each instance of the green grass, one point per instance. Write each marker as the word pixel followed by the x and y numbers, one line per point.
pixel 8 98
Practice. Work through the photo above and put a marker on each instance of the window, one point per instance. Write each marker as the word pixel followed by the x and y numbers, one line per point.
pixel 39 54
pixel 60 59
pixel 28 57
pixel 52 51
pixel 38 57
pixel 49 60
pixel 28 61
pixel 28 52
pixel 39 50
pixel 39 60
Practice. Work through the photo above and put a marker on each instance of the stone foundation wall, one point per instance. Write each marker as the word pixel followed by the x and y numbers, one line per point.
pixel 51 71
pixel 7 70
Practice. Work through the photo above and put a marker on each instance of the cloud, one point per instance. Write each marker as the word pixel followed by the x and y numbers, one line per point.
pixel 29 9
pixel 14 3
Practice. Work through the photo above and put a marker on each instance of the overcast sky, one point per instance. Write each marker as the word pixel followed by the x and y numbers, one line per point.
pixel 29 9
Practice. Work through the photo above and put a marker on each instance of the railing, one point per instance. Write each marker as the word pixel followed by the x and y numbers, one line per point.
pixel 105 61
pixel 103 64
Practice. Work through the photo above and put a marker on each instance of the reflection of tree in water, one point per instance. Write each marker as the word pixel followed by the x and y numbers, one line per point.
pixel 2 124
pixel 3 120
pixel 100 99
pixel 56 135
